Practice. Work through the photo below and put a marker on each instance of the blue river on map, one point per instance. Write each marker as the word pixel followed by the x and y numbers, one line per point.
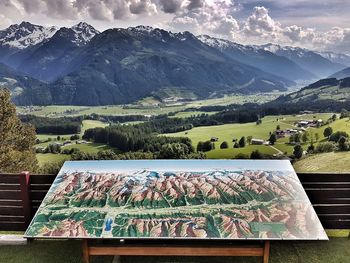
pixel 109 222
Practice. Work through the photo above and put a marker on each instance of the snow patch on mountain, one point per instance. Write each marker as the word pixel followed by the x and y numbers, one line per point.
pixel 83 33
pixel 25 35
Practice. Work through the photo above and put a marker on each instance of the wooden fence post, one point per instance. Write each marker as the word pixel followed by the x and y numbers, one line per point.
pixel 25 196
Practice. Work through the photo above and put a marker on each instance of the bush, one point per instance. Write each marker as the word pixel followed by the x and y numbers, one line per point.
pixel 241 156
pixel 74 137
pixel 256 155
pixel 324 147
pixel 242 142
pixel 51 168
pixel 236 145
pixel 336 136
pixel 224 145
pixel 208 146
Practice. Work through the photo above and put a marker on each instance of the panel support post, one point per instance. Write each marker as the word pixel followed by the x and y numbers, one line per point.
pixel 85 248
pixel 266 252
pixel 25 197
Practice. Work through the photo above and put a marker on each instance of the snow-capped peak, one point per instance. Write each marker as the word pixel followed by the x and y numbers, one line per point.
pixel 215 42
pixel 83 33
pixel 25 35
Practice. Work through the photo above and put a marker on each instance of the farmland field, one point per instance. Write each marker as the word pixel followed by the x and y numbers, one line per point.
pixel 143 108
pixel 89 147
pixel 228 132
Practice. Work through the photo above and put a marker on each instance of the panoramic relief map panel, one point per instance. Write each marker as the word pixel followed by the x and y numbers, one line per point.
pixel 205 199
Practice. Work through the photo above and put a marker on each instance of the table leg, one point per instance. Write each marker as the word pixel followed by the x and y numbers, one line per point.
pixel 266 252
pixel 85 248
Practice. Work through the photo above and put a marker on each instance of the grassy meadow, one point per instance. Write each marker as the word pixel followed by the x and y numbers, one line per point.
pixel 228 132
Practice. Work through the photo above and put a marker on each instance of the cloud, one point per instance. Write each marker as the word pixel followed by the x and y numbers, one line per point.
pixel 170 6
pixel 261 27
pixel 61 9
pixel 207 17
pixel 296 23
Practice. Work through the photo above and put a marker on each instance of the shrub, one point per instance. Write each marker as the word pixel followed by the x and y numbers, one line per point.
pixel 324 147
pixel 241 156
pixel 337 135
pixel 224 145
pixel 256 155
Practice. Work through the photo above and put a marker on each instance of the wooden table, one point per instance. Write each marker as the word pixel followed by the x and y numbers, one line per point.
pixel 242 248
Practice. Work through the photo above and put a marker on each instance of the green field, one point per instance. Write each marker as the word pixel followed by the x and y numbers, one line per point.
pixel 88 147
pixel 144 107
pixel 336 162
pixel 228 132
pixel 44 158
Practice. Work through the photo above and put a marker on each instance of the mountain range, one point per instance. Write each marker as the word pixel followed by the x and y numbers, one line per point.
pixel 82 66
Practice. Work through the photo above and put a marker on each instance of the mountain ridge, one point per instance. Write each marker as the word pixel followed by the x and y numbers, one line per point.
pixel 80 65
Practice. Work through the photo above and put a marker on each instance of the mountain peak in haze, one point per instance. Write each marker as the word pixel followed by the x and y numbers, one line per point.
pixel 83 33
pixel 25 34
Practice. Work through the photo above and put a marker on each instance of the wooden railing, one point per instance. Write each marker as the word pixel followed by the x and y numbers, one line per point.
pixel 21 195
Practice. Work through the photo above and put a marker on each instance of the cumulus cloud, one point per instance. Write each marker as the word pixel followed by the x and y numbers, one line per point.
pixel 261 27
pixel 170 6
pixel 221 18
pixel 207 17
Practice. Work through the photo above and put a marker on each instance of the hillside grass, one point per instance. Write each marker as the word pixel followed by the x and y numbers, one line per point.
pixel 227 132
pixel 337 162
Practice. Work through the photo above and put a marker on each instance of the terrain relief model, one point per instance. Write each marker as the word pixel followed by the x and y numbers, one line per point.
pixel 177 199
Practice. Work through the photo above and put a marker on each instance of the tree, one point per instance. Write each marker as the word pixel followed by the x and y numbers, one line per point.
pixel 305 137
pixel 208 146
pixel 337 135
pixel 200 146
pixel 343 146
pixel 278 127
pixel 58 138
pixel 249 139
pixel 327 132
pixel 256 155
pixel 272 139
pixel 224 145
pixel 17 139
pixel 334 117
pixel 298 151
pixel 258 122
pixel 242 142
pixel 236 145
pixel 294 138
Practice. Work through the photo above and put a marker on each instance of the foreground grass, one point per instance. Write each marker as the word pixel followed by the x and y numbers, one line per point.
pixel 336 162
pixel 334 251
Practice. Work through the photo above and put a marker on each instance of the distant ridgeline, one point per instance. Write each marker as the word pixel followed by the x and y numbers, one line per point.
pixel 82 66
pixel 324 95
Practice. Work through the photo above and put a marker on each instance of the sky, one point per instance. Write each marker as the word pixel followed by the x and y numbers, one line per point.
pixel 317 25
